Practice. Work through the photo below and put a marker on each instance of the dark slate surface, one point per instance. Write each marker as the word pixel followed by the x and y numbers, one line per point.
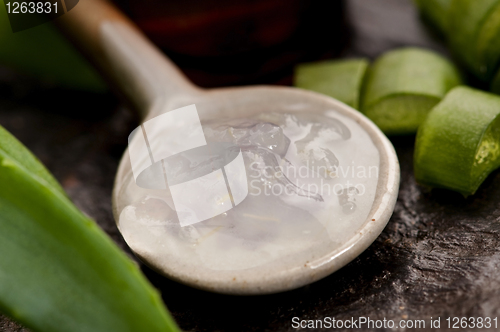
pixel 438 256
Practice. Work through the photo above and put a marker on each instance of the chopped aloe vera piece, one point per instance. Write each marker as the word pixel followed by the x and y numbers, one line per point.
pixel 59 271
pixel 436 12
pixel 466 19
pixel 402 87
pixel 458 145
pixel 401 114
pixel 340 79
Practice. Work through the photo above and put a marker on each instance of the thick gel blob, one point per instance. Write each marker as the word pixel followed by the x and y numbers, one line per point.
pixel 312 181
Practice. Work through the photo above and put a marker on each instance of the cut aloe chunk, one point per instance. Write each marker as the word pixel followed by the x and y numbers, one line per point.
pixel 59 271
pixel 458 145
pixel 436 12
pixel 402 87
pixel 340 79
pixel 466 20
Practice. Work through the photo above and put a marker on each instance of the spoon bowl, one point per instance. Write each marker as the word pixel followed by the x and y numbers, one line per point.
pixel 154 86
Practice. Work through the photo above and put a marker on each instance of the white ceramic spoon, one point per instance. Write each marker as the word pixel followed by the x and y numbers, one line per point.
pixel 153 85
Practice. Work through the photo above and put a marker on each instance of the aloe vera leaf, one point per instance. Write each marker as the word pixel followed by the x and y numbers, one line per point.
pixel 340 79
pixel 58 270
pixel 44 53
pixel 466 18
pixel 403 85
pixel 436 12
pixel 458 145
pixel 488 43
pixel 16 150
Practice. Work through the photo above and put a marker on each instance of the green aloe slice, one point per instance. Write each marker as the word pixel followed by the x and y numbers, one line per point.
pixel 59 271
pixel 466 19
pixel 436 12
pixel 340 79
pixel 402 87
pixel 458 145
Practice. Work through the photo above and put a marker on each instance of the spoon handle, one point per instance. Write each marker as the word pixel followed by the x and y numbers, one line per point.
pixel 126 58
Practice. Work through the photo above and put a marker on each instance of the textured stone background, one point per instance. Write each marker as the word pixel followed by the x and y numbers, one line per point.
pixel 438 256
